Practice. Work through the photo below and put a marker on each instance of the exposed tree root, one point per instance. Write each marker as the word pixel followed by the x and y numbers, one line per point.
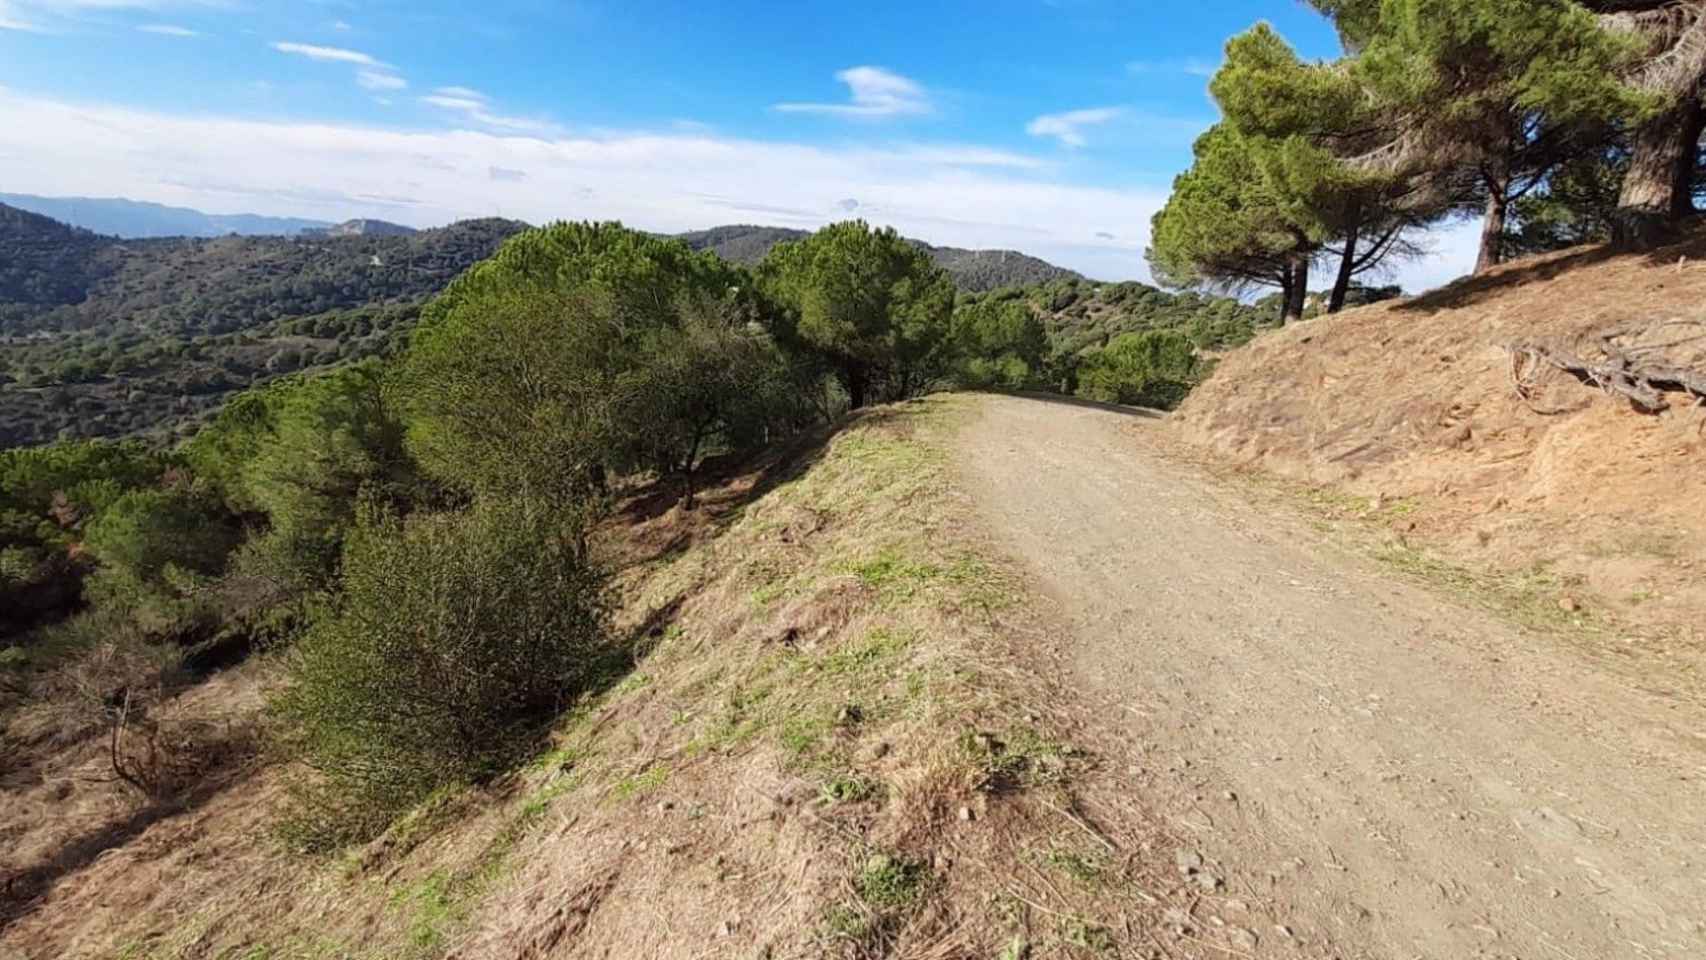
pixel 1640 373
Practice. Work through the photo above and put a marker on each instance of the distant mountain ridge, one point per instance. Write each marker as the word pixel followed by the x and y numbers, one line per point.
pixel 138 219
pixel 974 271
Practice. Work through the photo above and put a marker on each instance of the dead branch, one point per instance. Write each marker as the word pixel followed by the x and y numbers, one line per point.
pixel 1622 371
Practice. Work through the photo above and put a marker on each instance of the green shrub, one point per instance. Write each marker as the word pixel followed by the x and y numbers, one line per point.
pixel 456 638
pixel 1156 368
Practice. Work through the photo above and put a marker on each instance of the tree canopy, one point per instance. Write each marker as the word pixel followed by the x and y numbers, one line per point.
pixel 876 307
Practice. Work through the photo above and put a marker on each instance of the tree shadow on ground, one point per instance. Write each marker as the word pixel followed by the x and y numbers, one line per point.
pixel 1141 413
pixel 728 484
pixel 23 891
pixel 1470 291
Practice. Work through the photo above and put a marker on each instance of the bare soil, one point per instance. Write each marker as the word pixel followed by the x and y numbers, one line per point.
pixel 1412 402
pixel 1396 773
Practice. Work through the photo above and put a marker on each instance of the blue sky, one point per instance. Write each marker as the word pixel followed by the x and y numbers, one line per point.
pixel 1051 126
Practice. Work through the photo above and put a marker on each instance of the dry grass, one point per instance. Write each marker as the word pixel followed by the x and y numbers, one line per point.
pixel 1403 416
pixel 841 736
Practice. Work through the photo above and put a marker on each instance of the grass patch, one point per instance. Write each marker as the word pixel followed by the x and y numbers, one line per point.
pixel 1019 759
pixel 890 882
pixel 1531 597
pixel 640 784
pixel 848 788
pixel 1089 869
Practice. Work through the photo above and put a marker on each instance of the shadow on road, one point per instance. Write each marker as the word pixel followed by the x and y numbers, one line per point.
pixel 1142 413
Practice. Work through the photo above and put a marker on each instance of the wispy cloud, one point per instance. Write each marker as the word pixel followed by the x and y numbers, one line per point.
pixel 10 20
pixel 1068 127
pixel 380 80
pixel 1193 66
pixel 342 26
pixel 874 93
pixel 477 107
pixel 168 30
pixel 328 54
pixel 666 180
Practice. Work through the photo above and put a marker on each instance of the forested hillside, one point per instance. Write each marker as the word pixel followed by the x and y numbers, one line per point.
pixel 109 337
pixel 972 270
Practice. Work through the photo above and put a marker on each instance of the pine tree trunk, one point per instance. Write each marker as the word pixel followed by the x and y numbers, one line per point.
pixel 1299 293
pixel 858 384
pixel 1493 231
pixel 1347 266
pixel 1658 190
pixel 1288 281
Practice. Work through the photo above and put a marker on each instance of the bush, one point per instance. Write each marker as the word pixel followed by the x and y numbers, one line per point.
pixel 456 639
pixel 1156 369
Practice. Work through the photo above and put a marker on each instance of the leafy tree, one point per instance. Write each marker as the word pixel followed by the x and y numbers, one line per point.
pixel 1482 99
pixel 1313 116
pixel 1669 65
pixel 999 342
pixel 454 640
pixel 157 547
pixel 333 439
pixel 1156 368
pixel 1578 204
pixel 873 305
pixel 517 382
pixel 712 380
pixel 1234 222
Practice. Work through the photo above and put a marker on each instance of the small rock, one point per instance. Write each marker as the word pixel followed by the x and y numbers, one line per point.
pixel 1229 797
pixel 1243 939
pixel 966 814
pixel 666 806
pixel 942 862
pixel 1188 862
pixel 1208 881
pixel 877 750
pixel 1282 930
pixel 1569 604
pixel 728 929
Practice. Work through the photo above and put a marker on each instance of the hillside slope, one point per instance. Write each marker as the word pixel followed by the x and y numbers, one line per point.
pixel 839 735
pixel 1407 411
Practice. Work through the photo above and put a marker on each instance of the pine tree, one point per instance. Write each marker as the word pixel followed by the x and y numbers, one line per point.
pixel 1483 99
pixel 1232 222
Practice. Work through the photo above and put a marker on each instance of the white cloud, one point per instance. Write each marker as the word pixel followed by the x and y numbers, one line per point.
pixel 475 106
pixel 328 54
pixel 380 80
pixel 168 30
pixel 1068 127
pixel 949 194
pixel 875 94
pixel 342 26
pixel 1192 66
pixel 9 20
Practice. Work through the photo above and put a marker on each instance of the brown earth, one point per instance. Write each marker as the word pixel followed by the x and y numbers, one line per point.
pixel 1410 406
pixel 1398 774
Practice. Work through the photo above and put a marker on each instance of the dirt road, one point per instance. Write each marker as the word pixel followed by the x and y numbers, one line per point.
pixel 1402 776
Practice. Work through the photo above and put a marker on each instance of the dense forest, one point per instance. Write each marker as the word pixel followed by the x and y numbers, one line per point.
pixel 108 337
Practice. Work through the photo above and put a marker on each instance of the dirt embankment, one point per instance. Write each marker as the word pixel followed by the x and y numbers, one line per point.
pixel 1409 413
